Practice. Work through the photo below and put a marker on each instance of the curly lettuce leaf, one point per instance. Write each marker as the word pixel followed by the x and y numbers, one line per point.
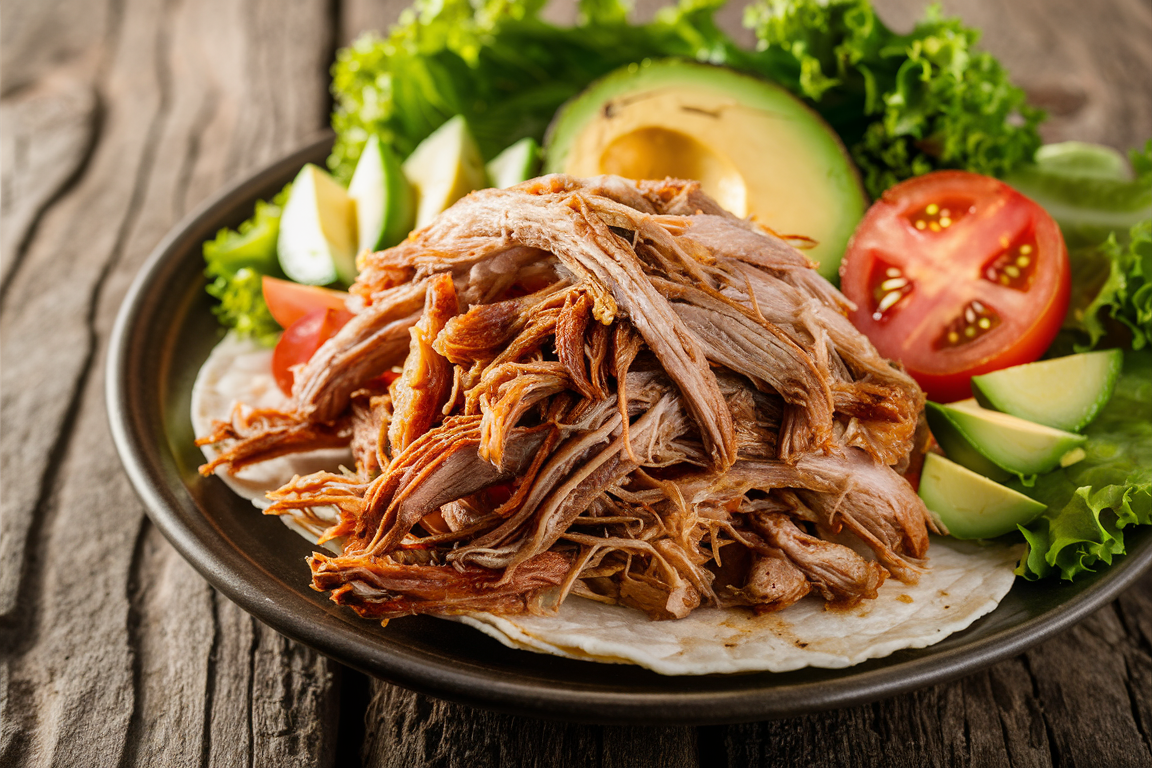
pixel 236 260
pixel 1091 502
pixel 1126 295
pixel 904 104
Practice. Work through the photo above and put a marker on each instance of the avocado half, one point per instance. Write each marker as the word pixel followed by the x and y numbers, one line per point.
pixel 755 148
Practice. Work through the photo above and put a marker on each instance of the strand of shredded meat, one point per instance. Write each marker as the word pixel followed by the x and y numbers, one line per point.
pixel 603 388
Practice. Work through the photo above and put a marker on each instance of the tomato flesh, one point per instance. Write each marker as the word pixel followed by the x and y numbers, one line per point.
pixel 956 274
pixel 301 340
pixel 289 301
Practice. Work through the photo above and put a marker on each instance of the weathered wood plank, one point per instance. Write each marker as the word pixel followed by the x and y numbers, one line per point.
pixel 113 654
pixel 46 129
pixel 405 729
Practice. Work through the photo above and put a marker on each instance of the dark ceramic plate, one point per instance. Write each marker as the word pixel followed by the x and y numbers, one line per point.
pixel 164 332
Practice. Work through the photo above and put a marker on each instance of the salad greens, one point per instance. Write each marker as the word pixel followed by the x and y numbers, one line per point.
pixel 903 104
pixel 1088 189
pixel 236 262
pixel 1090 503
pixel 1099 205
pixel 1126 295
pixel 1104 208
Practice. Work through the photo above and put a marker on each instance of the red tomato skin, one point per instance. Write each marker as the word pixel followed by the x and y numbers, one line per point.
pixel 1037 313
pixel 301 340
pixel 289 301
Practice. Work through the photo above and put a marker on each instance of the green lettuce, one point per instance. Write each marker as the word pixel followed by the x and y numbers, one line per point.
pixel 904 104
pixel 236 261
pixel 1090 503
pixel 1126 295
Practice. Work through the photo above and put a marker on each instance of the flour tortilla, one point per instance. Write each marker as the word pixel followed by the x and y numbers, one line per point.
pixel 240 371
pixel 965 581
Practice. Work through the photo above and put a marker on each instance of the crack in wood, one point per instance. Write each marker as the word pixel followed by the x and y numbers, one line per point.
pixel 66 186
pixel 210 682
pixel 136 587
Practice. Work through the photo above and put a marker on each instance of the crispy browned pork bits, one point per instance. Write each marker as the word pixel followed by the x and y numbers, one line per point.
pixel 611 389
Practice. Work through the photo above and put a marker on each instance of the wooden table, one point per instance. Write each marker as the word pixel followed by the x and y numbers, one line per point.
pixel 118 117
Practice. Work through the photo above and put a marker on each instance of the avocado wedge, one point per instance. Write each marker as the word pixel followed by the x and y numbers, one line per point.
pixel 385 202
pixel 754 147
pixel 1064 392
pixel 443 168
pixel 519 162
pixel 317 240
pixel 970 505
pixel 998 445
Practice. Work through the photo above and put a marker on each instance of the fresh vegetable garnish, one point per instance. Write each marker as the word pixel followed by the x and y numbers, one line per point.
pixel 956 274
pixel 1089 189
pixel 1090 503
pixel 998 445
pixel 384 198
pixel 753 146
pixel 1063 392
pixel 317 242
pixel 443 168
pixel 289 301
pixel 970 505
pixel 236 261
pixel 1126 296
pixel 517 163
pixel 903 104
pixel 302 339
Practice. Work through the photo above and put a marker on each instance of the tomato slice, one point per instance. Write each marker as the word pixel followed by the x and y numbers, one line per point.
pixel 289 301
pixel 302 339
pixel 956 274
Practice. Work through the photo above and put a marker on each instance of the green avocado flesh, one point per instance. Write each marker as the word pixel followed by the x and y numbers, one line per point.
pixel 970 505
pixel 753 147
pixel 317 239
pixel 515 164
pixel 998 445
pixel 385 202
pixel 1064 393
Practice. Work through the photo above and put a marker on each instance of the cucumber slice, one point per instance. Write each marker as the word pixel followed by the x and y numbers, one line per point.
pixel 1078 158
pixel 517 163
pixel 998 445
pixel 970 505
pixel 443 168
pixel 1064 393
pixel 317 241
pixel 385 202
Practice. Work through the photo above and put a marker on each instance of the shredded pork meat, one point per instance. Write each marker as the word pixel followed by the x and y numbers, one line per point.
pixel 604 388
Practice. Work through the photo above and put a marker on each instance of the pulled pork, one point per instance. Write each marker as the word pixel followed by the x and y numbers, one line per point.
pixel 603 388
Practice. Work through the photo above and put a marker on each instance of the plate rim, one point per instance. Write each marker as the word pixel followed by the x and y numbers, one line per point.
pixel 136 441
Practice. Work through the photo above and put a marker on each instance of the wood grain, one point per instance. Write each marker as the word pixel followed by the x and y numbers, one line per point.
pixel 111 639
pixel 119 116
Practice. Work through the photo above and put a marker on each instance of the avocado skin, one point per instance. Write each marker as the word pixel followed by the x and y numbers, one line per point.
pixel 604 100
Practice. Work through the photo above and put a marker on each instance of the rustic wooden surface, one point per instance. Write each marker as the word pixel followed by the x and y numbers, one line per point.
pixel 116 118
